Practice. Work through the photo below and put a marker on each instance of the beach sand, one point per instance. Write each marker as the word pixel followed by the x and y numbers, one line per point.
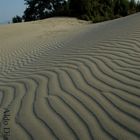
pixel 68 79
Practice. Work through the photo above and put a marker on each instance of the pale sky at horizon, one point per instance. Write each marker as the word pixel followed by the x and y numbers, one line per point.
pixel 10 8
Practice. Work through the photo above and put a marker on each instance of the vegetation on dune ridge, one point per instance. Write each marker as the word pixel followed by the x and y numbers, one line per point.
pixel 95 10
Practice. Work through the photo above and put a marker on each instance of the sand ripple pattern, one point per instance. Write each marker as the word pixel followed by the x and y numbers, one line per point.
pixel 84 87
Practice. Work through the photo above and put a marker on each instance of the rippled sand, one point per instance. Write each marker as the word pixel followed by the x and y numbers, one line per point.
pixel 66 79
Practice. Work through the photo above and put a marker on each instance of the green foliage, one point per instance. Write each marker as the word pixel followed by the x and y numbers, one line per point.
pixel 17 19
pixel 138 6
pixel 132 6
pixel 95 10
pixel 40 9
pixel 85 17
pixel 121 7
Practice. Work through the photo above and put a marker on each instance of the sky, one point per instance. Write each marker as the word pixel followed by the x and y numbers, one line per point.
pixel 10 8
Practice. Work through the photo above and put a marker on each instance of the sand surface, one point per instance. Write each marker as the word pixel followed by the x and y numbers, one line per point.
pixel 66 79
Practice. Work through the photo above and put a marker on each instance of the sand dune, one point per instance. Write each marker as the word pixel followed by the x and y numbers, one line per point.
pixel 66 79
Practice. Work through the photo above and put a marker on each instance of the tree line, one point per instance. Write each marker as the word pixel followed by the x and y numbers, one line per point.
pixel 95 10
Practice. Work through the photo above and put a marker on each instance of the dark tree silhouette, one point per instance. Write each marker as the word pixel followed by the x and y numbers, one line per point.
pixel 40 9
pixel 121 7
pixel 96 10
pixel 16 19
pixel 132 6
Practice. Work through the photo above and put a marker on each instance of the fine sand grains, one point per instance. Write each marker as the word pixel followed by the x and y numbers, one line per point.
pixel 66 79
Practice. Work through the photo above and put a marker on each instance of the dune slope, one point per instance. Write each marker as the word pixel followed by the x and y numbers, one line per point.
pixel 63 79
